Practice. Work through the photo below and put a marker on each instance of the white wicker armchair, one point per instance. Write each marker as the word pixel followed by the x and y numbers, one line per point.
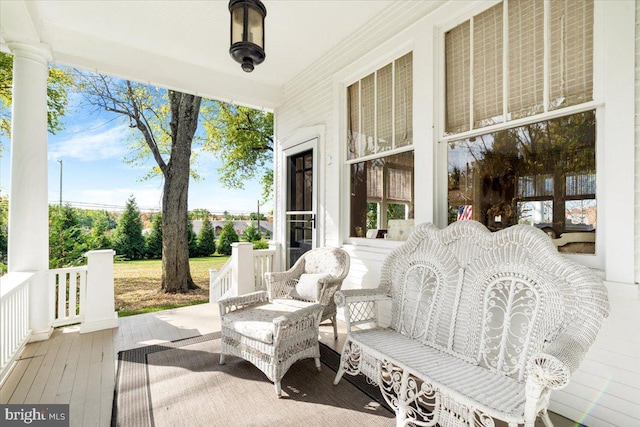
pixel 332 263
pixel 269 335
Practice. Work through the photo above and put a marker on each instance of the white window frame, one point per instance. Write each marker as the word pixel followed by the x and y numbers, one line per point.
pixel 372 62
pixel 596 260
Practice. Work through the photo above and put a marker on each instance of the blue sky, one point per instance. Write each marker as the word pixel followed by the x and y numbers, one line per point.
pixel 93 146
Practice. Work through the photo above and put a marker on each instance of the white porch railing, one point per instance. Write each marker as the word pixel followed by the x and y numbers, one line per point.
pixel 243 272
pixel 67 295
pixel 263 261
pixel 220 282
pixel 14 317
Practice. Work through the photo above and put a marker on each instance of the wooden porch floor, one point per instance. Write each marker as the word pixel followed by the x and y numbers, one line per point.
pixel 80 369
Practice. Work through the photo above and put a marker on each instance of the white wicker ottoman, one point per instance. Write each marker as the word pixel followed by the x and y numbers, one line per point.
pixel 271 336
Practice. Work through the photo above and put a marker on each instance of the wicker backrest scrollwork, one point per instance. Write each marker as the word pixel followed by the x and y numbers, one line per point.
pixel 492 299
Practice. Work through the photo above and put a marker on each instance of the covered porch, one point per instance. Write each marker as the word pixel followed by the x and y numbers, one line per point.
pixel 316 52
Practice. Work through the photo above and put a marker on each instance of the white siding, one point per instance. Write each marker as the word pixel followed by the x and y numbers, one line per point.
pixel 606 389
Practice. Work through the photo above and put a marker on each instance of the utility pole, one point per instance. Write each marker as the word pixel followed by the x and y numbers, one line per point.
pixel 60 161
pixel 259 218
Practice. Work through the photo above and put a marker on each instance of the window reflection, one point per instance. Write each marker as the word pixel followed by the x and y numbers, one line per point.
pixel 541 174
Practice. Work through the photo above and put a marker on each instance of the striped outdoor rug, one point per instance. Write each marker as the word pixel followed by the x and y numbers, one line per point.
pixel 182 384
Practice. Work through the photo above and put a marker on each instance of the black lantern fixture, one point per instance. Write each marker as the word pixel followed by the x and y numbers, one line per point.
pixel 247 32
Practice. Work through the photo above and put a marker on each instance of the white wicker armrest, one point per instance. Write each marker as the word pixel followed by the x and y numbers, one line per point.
pixel 280 283
pixel 360 305
pixel 553 367
pixel 349 296
pixel 228 305
pixel 297 322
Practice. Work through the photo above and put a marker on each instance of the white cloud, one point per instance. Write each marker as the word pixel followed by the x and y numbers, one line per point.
pixel 88 146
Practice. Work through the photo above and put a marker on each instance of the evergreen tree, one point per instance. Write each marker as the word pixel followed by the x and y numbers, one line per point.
pixel 154 239
pixel 193 240
pixel 99 238
pixel 128 240
pixel 67 241
pixel 228 236
pixel 206 238
pixel 251 234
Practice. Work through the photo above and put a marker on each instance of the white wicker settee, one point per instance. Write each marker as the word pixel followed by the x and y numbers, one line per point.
pixel 483 325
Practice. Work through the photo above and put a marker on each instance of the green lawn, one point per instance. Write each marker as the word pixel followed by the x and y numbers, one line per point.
pixel 137 285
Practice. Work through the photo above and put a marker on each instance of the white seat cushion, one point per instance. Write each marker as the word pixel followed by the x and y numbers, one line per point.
pixel 491 390
pixel 308 287
pixel 257 321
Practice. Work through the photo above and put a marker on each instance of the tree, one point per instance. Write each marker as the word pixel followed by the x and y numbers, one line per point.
pixel 206 238
pixel 227 236
pixel 99 238
pixel 128 240
pixel 242 137
pixel 154 239
pixel 59 82
pixel 67 241
pixel 251 234
pixel 167 122
pixel 199 214
pixel 193 240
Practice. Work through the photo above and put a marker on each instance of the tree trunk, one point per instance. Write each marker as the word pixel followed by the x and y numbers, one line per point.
pixel 176 274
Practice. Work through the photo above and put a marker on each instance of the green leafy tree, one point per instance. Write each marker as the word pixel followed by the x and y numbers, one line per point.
pixel 192 238
pixel 206 238
pixel 242 137
pixel 67 241
pixel 99 238
pixel 128 240
pixel 154 239
pixel 166 124
pixel 251 234
pixel 199 214
pixel 59 82
pixel 227 236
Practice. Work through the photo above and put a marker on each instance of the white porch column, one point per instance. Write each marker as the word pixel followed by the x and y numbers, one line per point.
pixel 28 248
pixel 242 279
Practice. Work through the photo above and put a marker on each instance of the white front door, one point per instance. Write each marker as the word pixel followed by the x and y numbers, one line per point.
pixel 301 183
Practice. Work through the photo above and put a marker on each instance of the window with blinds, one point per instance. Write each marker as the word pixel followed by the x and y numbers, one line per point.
pixel 380 110
pixel 379 149
pixel 506 43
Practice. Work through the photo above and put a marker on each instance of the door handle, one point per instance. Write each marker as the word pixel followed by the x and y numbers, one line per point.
pixel 313 221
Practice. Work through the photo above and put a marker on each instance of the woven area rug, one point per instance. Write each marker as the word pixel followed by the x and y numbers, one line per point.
pixel 183 384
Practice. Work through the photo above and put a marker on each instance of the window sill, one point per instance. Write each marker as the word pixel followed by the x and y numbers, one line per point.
pixel 373 243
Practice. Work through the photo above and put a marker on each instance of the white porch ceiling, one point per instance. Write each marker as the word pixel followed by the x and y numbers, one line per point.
pixel 184 44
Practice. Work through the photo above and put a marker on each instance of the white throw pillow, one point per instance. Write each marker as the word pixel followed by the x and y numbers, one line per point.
pixel 308 287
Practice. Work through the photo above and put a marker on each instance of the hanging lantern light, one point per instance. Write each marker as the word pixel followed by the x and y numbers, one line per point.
pixel 247 32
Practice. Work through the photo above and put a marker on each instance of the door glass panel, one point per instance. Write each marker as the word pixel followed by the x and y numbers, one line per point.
pixel 300 216
pixel 299 236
